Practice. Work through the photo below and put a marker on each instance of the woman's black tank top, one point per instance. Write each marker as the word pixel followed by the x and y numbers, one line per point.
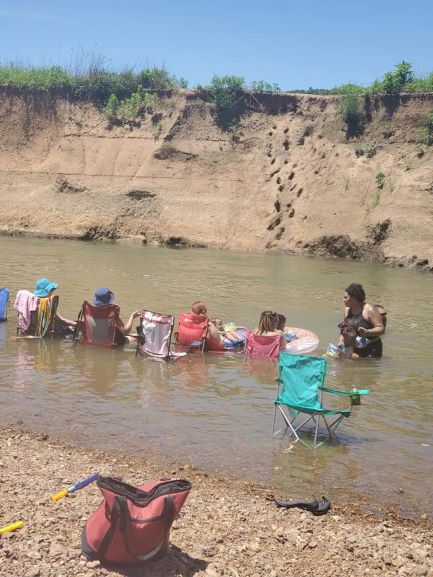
pixel 357 320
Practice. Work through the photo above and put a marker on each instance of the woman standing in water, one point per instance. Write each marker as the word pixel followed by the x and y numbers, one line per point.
pixel 362 326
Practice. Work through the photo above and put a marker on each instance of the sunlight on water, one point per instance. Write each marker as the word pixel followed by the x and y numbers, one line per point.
pixel 217 410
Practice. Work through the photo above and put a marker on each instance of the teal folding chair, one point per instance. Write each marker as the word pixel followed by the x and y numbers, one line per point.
pixel 299 398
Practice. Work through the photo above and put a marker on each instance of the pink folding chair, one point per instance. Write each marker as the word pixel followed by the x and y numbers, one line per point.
pixel 263 346
pixel 155 333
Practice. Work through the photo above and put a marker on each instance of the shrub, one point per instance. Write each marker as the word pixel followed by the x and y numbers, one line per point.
pixel 225 91
pixel 395 81
pixel 420 84
pixel 156 78
pixel 262 86
pixel 367 149
pixel 128 109
pixel 349 109
pixel 111 108
pixel 348 89
pixel 380 180
pixel 388 130
pixel 425 134
pixel 182 82
pixel 136 104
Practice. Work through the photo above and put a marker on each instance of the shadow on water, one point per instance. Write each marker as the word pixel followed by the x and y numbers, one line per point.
pixel 217 410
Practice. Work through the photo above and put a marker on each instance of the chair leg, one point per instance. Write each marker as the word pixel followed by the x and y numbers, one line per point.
pixel 275 415
pixel 317 430
pixel 329 428
pixel 289 424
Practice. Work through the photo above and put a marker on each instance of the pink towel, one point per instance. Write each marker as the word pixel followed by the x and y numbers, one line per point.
pixel 25 303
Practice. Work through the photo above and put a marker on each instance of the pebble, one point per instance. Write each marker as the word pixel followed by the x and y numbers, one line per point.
pixel 225 529
pixel 212 571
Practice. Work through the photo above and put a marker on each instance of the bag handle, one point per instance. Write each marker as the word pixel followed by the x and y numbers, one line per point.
pixel 125 523
pixel 140 497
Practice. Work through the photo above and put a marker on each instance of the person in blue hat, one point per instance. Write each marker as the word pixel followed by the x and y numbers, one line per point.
pixel 105 296
pixel 45 288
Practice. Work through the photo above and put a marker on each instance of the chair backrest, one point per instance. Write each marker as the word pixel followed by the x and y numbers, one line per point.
pixel 97 324
pixel 4 301
pixel 191 328
pixel 263 346
pixel 155 334
pixel 301 376
pixel 42 318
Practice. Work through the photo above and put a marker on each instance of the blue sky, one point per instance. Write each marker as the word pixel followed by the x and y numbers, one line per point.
pixel 294 43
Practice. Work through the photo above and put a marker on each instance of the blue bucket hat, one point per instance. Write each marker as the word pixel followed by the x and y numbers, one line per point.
pixel 103 296
pixel 43 287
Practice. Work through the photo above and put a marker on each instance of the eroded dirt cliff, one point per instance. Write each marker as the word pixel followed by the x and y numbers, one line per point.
pixel 285 180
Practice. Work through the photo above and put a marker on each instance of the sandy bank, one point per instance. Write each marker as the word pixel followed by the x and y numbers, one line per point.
pixel 226 528
pixel 285 180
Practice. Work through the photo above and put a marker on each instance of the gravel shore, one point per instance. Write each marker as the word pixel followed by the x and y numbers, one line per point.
pixel 225 528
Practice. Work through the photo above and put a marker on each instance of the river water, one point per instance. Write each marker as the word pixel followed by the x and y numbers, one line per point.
pixel 216 411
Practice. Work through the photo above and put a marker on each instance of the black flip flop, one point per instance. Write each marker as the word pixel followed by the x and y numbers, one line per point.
pixel 316 507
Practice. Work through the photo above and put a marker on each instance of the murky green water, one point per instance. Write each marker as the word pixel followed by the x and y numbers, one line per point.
pixel 216 411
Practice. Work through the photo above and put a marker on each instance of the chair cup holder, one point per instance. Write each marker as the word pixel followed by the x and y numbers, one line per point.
pixel 355 399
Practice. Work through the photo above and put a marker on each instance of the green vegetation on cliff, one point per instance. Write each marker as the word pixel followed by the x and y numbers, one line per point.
pixel 95 81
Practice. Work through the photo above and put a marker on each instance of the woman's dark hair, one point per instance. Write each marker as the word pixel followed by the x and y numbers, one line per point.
pixel 356 290
pixel 281 321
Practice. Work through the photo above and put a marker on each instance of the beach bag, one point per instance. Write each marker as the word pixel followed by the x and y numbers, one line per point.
pixel 132 525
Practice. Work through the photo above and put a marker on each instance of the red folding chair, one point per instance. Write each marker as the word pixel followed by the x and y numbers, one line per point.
pixel 192 330
pixel 97 325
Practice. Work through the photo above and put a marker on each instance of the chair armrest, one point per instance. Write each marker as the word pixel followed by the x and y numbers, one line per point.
pixel 353 393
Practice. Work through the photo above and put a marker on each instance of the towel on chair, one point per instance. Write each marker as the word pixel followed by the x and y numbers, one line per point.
pixel 25 303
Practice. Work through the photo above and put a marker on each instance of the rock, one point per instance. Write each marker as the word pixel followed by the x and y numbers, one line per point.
pixel 93 564
pixel 212 571
pixel 56 550
pixel 208 551
pixel 397 562
pixel 421 570
pixel 33 571
pixel 32 554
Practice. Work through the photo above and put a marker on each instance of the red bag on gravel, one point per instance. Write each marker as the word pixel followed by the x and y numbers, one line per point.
pixel 132 525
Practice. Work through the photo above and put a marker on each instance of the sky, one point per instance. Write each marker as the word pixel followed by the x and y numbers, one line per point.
pixel 296 44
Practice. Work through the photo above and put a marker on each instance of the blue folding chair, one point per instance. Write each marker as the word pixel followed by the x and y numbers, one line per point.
pixel 299 398
pixel 4 303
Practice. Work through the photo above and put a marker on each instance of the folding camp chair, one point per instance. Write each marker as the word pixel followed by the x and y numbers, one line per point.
pixel 192 330
pixel 155 334
pixel 263 346
pixel 96 325
pixel 300 380
pixel 42 319
pixel 4 303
